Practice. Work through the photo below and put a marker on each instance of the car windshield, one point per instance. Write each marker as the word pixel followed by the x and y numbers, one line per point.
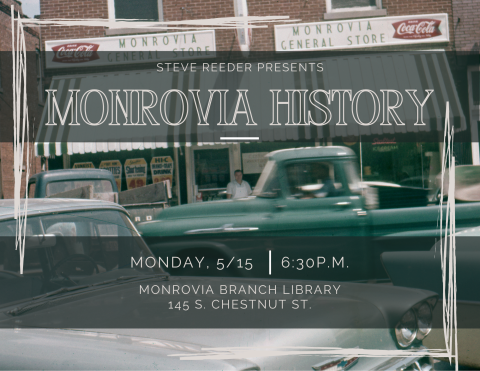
pixel 99 186
pixel 67 250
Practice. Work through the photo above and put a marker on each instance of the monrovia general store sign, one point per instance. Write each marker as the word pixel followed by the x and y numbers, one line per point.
pixel 130 49
pixel 361 33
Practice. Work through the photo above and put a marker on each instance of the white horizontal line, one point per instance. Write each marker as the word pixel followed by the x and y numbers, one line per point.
pixel 239 138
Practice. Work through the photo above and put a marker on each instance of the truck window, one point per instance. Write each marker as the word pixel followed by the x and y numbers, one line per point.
pixel 268 184
pixel 31 190
pixel 353 179
pixel 99 186
pixel 314 179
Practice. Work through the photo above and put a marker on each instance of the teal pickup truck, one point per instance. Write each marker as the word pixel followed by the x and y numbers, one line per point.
pixel 298 224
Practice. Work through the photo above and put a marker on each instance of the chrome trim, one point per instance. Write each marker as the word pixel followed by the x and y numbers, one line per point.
pixel 343 203
pixel 412 363
pixel 226 228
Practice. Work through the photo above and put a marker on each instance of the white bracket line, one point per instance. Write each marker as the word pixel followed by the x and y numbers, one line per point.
pixel 239 138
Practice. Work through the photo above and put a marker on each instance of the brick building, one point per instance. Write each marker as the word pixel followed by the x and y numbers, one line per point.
pixel 466 14
pixel 417 161
pixel 262 39
pixel 34 85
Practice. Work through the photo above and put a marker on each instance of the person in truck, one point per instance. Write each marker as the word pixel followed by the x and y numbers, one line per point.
pixel 311 180
pixel 239 188
pixel 322 172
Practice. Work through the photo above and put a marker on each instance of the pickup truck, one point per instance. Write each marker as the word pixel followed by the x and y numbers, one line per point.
pixel 306 231
pixel 143 204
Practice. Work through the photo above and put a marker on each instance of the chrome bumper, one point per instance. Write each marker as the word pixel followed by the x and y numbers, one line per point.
pixel 424 363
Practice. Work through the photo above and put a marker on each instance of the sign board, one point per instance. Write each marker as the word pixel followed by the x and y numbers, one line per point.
pixel 136 173
pixel 83 165
pixel 115 167
pixel 253 163
pixel 362 33
pixel 116 50
pixel 162 169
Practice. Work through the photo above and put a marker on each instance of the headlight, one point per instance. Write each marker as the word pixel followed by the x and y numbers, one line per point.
pixel 406 330
pixel 415 324
pixel 424 320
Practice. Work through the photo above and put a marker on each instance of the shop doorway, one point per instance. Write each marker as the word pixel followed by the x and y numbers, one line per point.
pixel 211 169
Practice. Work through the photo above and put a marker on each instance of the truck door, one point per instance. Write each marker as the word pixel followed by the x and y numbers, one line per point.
pixel 321 214
pixel 318 201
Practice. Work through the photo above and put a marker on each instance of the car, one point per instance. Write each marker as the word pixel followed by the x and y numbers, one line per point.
pixel 86 296
pixel 423 270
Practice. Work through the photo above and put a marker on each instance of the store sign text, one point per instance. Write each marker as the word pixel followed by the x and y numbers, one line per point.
pixel 362 33
pixel 417 29
pixel 75 53
pixel 130 49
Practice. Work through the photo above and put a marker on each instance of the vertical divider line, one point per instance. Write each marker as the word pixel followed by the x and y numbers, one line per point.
pixel 269 262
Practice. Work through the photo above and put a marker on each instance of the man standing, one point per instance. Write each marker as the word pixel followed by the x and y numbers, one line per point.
pixel 238 188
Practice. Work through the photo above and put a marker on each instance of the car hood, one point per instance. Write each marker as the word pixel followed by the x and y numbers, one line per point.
pixel 138 331
pixel 97 349
pixel 124 305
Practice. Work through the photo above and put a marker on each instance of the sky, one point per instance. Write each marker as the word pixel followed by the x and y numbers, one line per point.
pixel 31 8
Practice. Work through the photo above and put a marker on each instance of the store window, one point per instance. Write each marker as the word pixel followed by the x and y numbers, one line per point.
pixel 40 90
pixel 474 110
pixel 352 5
pixel 150 10
pixel 405 164
pixel 212 173
pixel 475 83
pixel 1 86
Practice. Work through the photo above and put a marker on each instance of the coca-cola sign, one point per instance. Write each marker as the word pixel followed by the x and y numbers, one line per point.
pixel 417 29
pixel 75 53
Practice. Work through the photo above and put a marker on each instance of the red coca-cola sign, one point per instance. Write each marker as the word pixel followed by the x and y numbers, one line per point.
pixel 75 53
pixel 417 29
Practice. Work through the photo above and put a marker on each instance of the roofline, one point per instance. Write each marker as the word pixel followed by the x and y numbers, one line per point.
pixel 274 153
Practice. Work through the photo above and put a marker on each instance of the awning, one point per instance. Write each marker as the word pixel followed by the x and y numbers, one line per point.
pixel 395 71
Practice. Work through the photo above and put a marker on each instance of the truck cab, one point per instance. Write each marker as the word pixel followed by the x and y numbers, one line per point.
pixel 314 190
pixel 48 183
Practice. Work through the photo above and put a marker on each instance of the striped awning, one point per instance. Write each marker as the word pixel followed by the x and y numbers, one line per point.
pixel 397 71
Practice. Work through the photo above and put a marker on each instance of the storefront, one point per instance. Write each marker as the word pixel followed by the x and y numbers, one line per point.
pixel 390 156
pixel 200 163
pixel 473 74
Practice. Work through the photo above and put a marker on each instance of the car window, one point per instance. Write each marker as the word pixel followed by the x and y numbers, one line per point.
pixel 69 249
pixel 67 229
pixel 314 179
